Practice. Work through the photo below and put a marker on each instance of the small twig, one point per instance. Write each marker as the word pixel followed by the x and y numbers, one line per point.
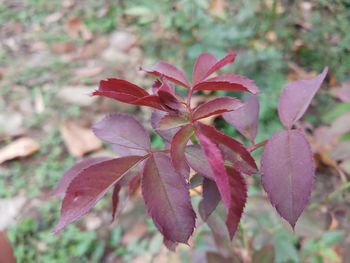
pixel 256 146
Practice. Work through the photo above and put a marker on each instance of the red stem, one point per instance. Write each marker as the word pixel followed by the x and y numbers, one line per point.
pixel 256 146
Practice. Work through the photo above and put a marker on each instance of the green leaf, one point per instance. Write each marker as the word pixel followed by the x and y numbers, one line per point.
pixel 337 111
pixel 332 238
pixel 284 248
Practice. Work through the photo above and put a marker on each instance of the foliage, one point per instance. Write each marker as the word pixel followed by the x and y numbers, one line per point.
pixel 222 162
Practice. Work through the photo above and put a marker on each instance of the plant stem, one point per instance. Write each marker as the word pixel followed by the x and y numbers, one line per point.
pixel 256 146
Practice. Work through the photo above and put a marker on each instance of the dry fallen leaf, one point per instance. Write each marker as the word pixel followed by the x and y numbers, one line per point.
pixel 79 140
pixel 77 28
pixel 77 95
pixel 62 48
pixel 341 125
pixel 19 148
pixel 342 92
pixel 296 72
pixel 88 71
pixel 218 8
pixel 137 231
pixel 122 41
pixel 10 209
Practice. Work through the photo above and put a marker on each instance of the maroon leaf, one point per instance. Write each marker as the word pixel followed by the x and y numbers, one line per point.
pixel 168 71
pixel 211 198
pixel 156 85
pixel 178 145
pixel 166 134
pixel 150 101
pixel 85 190
pixel 171 101
pixel 239 191
pixel 243 157
pixel 167 199
pixel 288 173
pixel 170 121
pixel 134 184
pixel 236 160
pixel 197 161
pixel 216 106
pixel 168 97
pixel 219 230
pixel 296 97
pixel 228 82
pixel 230 183
pixel 70 174
pixel 171 245
pixel 217 165
pixel 115 200
pixel 122 86
pixel 127 92
pixel 206 64
pixel 246 118
pixel 124 132
pixel 163 85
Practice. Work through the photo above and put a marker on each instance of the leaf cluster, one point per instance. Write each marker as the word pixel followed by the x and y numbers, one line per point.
pixel 219 163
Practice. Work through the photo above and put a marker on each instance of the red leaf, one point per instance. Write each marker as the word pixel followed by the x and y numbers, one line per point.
pixel 85 190
pixel 222 140
pixel 236 160
pixel 167 199
pixel 163 85
pixel 246 118
pixel 115 200
pixel 171 245
pixel 206 64
pixel 70 174
pixel 127 92
pixel 124 132
pixel 217 165
pixel 296 97
pixel 150 101
pixel 168 71
pixel 122 86
pixel 228 82
pixel 239 191
pixel 231 185
pixel 219 231
pixel 166 134
pixel 288 173
pixel 197 161
pixel 216 106
pixel 178 145
pixel 170 121
pixel 211 198
pixel 156 85
pixel 134 184
pixel 169 98
pixel 171 101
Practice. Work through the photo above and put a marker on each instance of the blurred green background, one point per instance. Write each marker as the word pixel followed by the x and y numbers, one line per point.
pixel 52 55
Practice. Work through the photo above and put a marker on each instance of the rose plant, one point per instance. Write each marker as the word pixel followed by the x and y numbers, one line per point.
pixel 219 161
